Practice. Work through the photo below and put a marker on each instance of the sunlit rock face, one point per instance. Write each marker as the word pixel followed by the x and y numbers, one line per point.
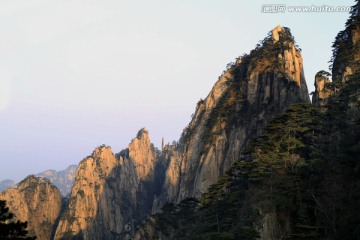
pixel 245 98
pixel 242 102
pixel 322 91
pixel 63 180
pixel 111 193
pixel 36 201
pixel 114 193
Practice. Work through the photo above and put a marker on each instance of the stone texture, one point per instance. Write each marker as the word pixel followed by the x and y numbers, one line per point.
pixel 343 67
pixel 141 152
pixel 275 32
pixel 321 93
pixel 251 102
pixel 242 102
pixel 86 193
pixel 111 194
pixel 63 179
pixel 36 201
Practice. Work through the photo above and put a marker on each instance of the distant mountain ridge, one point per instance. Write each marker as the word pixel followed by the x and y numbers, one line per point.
pixel 63 179
pixel 257 161
pixel 114 193
pixel 37 201
pixel 7 183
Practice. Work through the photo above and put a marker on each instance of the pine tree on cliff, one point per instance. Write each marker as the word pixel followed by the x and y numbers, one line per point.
pixel 10 229
pixel 343 47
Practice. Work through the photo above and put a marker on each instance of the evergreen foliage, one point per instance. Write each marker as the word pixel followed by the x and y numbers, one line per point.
pixel 296 174
pixel 343 47
pixel 9 228
pixel 302 176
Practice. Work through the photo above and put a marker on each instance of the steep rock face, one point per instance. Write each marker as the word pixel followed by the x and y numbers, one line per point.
pixel 169 177
pixel 111 193
pixel 346 52
pixel 141 152
pixel 63 179
pixel 322 92
pixel 148 231
pixel 36 201
pixel 253 90
pixel 343 68
pixel 346 60
pixel 86 193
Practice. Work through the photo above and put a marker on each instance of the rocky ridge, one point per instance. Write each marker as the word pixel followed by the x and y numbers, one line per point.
pixel 63 179
pixel 114 193
pixel 242 102
pixel 5 184
pixel 345 60
pixel 36 201
pixel 110 192
pixel 241 204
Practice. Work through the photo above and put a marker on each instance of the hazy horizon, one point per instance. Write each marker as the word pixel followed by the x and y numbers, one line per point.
pixel 78 74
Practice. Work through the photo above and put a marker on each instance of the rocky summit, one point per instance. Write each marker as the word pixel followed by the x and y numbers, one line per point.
pixel 37 201
pixel 113 194
pixel 63 179
pixel 251 164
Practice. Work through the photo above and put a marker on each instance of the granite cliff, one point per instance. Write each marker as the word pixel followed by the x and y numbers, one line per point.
pixel 63 179
pixel 36 201
pixel 345 60
pixel 299 176
pixel 113 194
pixel 245 98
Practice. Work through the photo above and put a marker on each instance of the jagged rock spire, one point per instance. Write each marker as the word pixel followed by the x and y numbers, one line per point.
pixel 275 32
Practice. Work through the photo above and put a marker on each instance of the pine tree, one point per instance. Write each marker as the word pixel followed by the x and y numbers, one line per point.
pixel 9 228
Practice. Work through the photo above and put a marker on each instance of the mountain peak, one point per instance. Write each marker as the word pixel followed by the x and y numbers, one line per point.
pixel 142 133
pixel 142 136
pixel 142 152
pixel 102 151
pixel 275 32
pixel 36 197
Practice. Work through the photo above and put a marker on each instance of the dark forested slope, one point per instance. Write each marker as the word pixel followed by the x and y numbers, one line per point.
pixel 299 180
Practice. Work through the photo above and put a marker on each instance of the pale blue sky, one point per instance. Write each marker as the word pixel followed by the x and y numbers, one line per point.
pixel 75 74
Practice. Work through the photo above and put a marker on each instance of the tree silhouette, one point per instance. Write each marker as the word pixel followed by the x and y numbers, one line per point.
pixel 9 228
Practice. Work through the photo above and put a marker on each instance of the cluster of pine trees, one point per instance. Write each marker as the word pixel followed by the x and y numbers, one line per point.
pixel 9 228
pixel 303 175
pixel 300 180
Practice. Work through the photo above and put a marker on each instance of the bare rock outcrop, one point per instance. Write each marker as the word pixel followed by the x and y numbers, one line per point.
pixel 88 189
pixel 346 59
pixel 322 90
pixel 114 193
pixel 141 151
pixel 63 179
pixel 36 201
pixel 242 102
pixel 111 194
